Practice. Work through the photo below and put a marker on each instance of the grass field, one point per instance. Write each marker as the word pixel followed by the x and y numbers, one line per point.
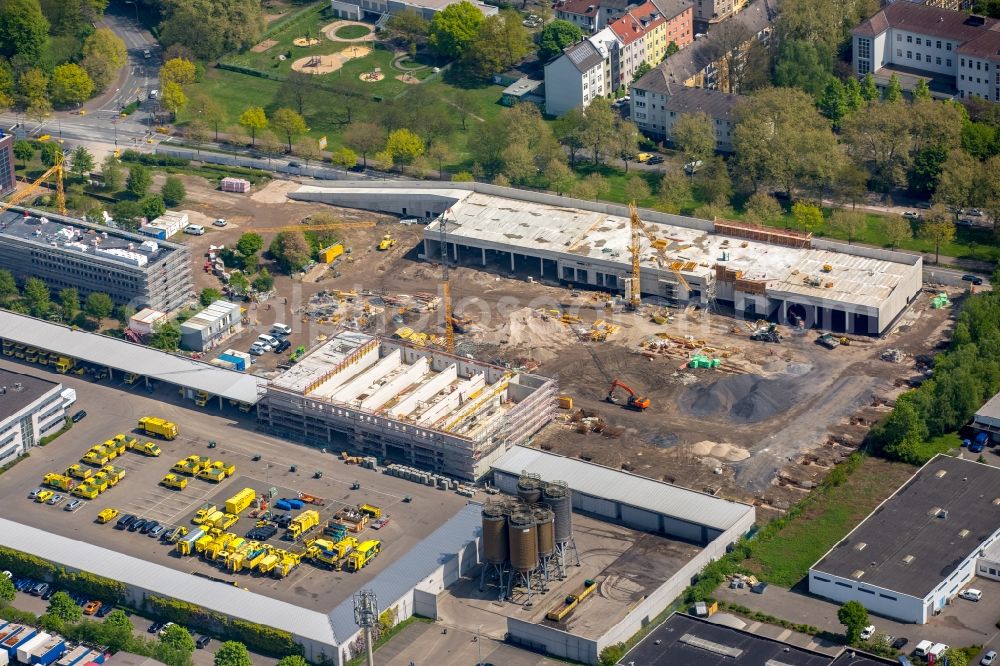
pixel 351 32
pixel 785 558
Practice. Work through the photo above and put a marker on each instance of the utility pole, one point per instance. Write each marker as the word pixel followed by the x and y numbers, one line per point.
pixel 366 616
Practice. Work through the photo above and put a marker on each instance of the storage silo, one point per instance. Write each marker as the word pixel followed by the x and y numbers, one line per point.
pixel 523 541
pixel 545 529
pixel 529 488
pixel 496 548
pixel 557 496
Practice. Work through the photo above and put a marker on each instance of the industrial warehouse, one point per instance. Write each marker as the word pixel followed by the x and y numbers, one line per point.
pixel 758 272
pixel 66 252
pixel 416 406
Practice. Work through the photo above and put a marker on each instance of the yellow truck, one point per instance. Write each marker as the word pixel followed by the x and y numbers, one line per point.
pixel 174 481
pixel 145 448
pixel 210 520
pixel 302 523
pixel 201 398
pixel 58 481
pixel 191 465
pixel 186 544
pixel 269 561
pixel 113 474
pixel 107 515
pixel 64 364
pixel 240 501
pixel 153 425
pixel 78 471
pixel 287 563
pixel 331 554
pixel 204 511
pixel 86 490
pixel 363 554
pixel 371 510
pixel 217 471
pixel 96 456
pixel 99 481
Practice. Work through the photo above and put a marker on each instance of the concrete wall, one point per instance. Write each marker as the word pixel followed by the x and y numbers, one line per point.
pixel 881 601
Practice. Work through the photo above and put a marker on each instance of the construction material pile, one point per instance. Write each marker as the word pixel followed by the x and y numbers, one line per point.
pixel 742 398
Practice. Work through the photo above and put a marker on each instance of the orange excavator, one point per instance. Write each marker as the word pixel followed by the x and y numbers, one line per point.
pixel 634 401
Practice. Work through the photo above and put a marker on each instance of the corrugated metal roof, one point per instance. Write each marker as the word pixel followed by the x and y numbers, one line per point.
pixel 158 579
pixel 406 573
pixel 631 489
pixel 129 357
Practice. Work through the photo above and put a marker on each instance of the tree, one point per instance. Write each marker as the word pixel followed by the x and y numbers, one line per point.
pixel 674 191
pixel 807 216
pixel 292 660
pixel 555 37
pixel 643 68
pixel 98 305
pixel 264 281
pixel 70 85
pixel 896 229
pixel 232 653
pixel 249 243
pixel 958 180
pixel 894 91
pixel 24 151
pixel 365 139
pixel 8 286
pixel 598 127
pixel 51 153
pixel 591 187
pixel 869 90
pixel 989 189
pixel 344 157
pixel 33 86
pixel 127 214
pixel 153 206
pixel 802 64
pixel 177 70
pixel 104 53
pixel 309 151
pixel 113 173
pixel 851 223
pixel 453 29
pixel 834 103
pixel 568 130
pixel 166 336
pixel 178 638
pixel 253 119
pixel 212 27
pixel 291 250
pixel 173 98
pixel 636 189
pixel 139 180
pixel 61 605
pixel 36 297
pixel 8 592
pixel 173 191
pixel 439 153
pixel 560 176
pixel 762 208
pixel 625 141
pixel 238 282
pixel 70 300
pixel 82 162
pixel 24 30
pixel 117 628
pixel 854 617
pixel 465 103
pixel 937 227
pixel 880 138
pixel 403 146
pixel 713 183
pixel 271 145
pixel 289 123
pixel 501 41
pixel 408 27
pixel 206 109
pixel 921 90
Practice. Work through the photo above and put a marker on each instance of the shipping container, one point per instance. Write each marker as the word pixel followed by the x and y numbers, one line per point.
pixel 25 648
pixel 235 185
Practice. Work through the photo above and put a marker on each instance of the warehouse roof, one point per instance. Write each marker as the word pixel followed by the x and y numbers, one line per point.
pixel 684 640
pixel 130 357
pixel 18 391
pixel 989 414
pixel 917 537
pixel 632 489
pixel 158 579
pixel 406 573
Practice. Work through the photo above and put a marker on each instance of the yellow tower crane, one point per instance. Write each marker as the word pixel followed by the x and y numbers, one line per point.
pixel 632 286
pixel 449 323
pixel 57 171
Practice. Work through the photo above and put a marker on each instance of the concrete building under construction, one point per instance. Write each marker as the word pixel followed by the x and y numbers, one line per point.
pixel 756 272
pixel 401 403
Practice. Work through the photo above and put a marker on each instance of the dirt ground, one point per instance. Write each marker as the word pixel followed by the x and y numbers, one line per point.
pixel 765 426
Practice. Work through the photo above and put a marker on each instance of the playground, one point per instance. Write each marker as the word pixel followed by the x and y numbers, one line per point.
pixel 348 31
pixel 326 64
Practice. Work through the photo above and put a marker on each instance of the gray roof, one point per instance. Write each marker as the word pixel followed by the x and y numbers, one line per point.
pixel 989 413
pixel 441 546
pixel 13 400
pixel 158 579
pixel 584 56
pixel 684 640
pixel 129 357
pixel 715 103
pixel 632 489
pixel 916 538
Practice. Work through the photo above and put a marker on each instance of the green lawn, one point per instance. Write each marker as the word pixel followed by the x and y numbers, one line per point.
pixel 785 558
pixel 301 23
pixel 351 32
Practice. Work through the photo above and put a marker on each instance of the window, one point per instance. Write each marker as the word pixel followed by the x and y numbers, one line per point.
pixel 963 62
pixel 909 39
pixel 871 592
pixel 918 57
pixel 947 63
pixel 993 572
pixel 864 49
pixel 842 584
pixel 939 43
pixel 962 76
pixel 918 41
pixel 887 596
pixel 899 37
pixel 899 53
pixel 948 46
pixel 909 54
pixel 938 61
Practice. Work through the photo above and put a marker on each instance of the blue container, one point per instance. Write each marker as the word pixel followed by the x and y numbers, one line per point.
pixel 240 363
pixel 296 504
pixel 155 232
pixel 56 646
pixel 283 505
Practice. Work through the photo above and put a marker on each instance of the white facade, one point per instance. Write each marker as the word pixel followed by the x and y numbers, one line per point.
pixel 27 423
pixel 581 74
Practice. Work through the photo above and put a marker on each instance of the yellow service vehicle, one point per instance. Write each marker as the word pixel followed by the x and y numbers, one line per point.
pixel 204 512
pixel 107 515
pixel 152 425
pixel 113 474
pixel 145 448
pixel 44 496
pixel 365 552
pixel 86 490
pixel 78 471
pixel 174 481
pixel 58 481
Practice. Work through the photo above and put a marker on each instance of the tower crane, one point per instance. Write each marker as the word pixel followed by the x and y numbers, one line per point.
pixel 57 171
pixel 638 229
pixel 449 324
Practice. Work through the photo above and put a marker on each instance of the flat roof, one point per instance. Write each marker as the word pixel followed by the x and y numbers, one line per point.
pixel 78 237
pixel 211 314
pixel 917 536
pixel 684 640
pixel 990 410
pixel 596 235
pixel 852 657
pixel 172 583
pixel 17 391
pixel 130 357
pixel 632 489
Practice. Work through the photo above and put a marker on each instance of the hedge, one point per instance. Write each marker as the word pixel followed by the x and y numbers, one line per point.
pixel 49 438
pixel 91 585
pixel 154 159
pixel 13 462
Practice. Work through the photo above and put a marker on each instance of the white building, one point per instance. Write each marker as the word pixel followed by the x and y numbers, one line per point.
pixel 582 73
pixel 357 10
pixel 205 330
pixel 30 408
pixel 657 104
pixel 921 546
pixel 957 54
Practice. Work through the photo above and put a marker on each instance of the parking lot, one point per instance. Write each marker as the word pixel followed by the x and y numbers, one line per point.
pixel 115 408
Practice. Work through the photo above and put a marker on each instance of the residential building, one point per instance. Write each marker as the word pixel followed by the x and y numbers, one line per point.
pixel 943 4
pixel 66 252
pixel 606 61
pixel 205 330
pixel 914 553
pixel 593 15
pixel 656 105
pixel 30 408
pixel 378 9
pixel 583 72
pixel 957 54
pixel 7 182
pixel 708 12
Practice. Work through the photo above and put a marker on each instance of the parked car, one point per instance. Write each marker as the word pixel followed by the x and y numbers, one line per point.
pixel 642 158
pixel 265 340
pixel 164 628
pixel 35 493
pixel 910 215
pixel 256 350
pixel 194 230
pixel 220 222
pixel 202 642
pixel 655 159
pixel 868 632
pixel 73 505
pixel 39 589
pixel 156 531
pixel 974 279
pixel 47 594
pixel 282 346
pixel 146 54
pixel 137 525
pixel 155 627
pixel 988 658
pixel 55 499
pixel 105 609
pixel 692 167
pixel 150 524
pixel 281 329
pixel 44 496
pixel 125 521
pixel 79 416
pixel 91 607
pixel 971 594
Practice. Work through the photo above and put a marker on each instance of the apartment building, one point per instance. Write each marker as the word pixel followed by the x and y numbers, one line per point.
pixel 65 252
pixel 591 15
pixel 657 105
pixel 583 72
pixel 7 182
pixel 957 54
pixel 31 408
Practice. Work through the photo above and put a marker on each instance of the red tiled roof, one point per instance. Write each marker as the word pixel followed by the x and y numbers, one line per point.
pixel 637 22
pixel 579 7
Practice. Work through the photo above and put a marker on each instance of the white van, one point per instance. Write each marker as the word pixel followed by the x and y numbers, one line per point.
pixel 267 340
pixel 923 648
pixel 281 329
pixel 194 230
pixel 938 649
